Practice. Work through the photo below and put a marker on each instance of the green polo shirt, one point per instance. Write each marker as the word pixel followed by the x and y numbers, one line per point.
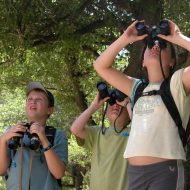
pixel 108 167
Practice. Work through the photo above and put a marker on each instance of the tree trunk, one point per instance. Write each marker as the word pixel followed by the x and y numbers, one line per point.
pixel 150 11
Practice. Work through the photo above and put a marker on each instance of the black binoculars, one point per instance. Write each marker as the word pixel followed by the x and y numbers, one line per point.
pixel 28 140
pixel 114 94
pixel 162 28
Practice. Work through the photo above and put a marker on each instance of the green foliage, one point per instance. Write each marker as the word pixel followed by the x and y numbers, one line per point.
pixel 56 42
pixel 178 11
pixel 2 184
pixel 11 108
pixel 78 154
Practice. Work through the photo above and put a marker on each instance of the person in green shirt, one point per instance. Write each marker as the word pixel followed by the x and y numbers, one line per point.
pixel 108 167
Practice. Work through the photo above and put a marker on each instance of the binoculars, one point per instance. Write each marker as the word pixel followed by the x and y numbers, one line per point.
pixel 114 94
pixel 162 28
pixel 28 140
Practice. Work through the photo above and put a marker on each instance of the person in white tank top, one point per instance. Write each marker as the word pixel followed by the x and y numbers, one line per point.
pixel 154 138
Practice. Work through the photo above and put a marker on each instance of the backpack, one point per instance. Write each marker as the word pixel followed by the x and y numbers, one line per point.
pixel 169 102
pixel 50 134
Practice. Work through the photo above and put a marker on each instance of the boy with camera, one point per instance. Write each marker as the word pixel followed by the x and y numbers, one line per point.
pixel 40 166
pixel 108 168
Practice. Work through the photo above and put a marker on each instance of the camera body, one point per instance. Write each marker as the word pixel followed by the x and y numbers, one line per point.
pixel 163 28
pixel 28 140
pixel 113 94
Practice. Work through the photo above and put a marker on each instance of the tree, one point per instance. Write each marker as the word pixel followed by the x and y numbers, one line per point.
pixel 55 42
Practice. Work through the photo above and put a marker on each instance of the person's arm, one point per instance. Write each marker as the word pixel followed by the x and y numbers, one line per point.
pixel 178 38
pixel 103 64
pixel 186 80
pixel 78 128
pixel 4 139
pixel 55 165
pixel 127 103
pixel 4 159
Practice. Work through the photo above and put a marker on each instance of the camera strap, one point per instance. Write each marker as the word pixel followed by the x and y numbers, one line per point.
pixel 31 160
pixel 103 128
pixel 30 166
pixel 118 131
pixel 20 179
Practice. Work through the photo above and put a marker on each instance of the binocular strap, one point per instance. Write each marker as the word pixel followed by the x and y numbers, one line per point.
pixel 31 159
pixel 20 180
pixel 30 166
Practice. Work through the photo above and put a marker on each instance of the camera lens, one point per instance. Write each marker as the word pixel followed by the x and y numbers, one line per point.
pixel 164 24
pixel 113 96
pixel 101 86
pixel 120 95
pixel 14 143
pixel 103 91
pixel 140 25
pixel 164 27
pixel 34 143
pixel 141 28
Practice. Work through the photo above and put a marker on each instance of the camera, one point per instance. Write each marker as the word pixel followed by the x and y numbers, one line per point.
pixel 162 28
pixel 28 140
pixel 114 94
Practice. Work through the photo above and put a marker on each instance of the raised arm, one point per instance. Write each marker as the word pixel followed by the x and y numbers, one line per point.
pixel 126 103
pixel 103 64
pixel 4 159
pixel 178 38
pixel 78 127
pixel 4 139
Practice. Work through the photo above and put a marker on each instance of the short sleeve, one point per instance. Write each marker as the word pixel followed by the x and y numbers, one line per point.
pixel 133 90
pixel 61 145
pixel 91 136
pixel 181 99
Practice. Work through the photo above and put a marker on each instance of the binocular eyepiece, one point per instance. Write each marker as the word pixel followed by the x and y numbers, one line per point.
pixel 114 94
pixel 163 28
pixel 28 140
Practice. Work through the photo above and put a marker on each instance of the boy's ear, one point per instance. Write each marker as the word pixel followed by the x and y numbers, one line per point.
pixel 50 110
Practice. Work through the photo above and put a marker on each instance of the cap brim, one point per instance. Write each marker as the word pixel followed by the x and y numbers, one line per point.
pixel 34 85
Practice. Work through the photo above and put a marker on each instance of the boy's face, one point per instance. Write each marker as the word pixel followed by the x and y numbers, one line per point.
pixel 37 106
pixel 114 111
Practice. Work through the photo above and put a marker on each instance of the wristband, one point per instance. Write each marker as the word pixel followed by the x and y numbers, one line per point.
pixel 47 148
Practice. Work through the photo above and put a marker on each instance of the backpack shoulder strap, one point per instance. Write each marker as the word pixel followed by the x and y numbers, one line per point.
pixel 169 102
pixel 140 86
pixel 50 133
pixel 188 131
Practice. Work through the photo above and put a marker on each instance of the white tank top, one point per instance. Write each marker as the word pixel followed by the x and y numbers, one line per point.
pixel 153 131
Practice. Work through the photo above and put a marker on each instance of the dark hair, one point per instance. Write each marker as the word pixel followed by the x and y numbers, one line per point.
pixel 173 56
